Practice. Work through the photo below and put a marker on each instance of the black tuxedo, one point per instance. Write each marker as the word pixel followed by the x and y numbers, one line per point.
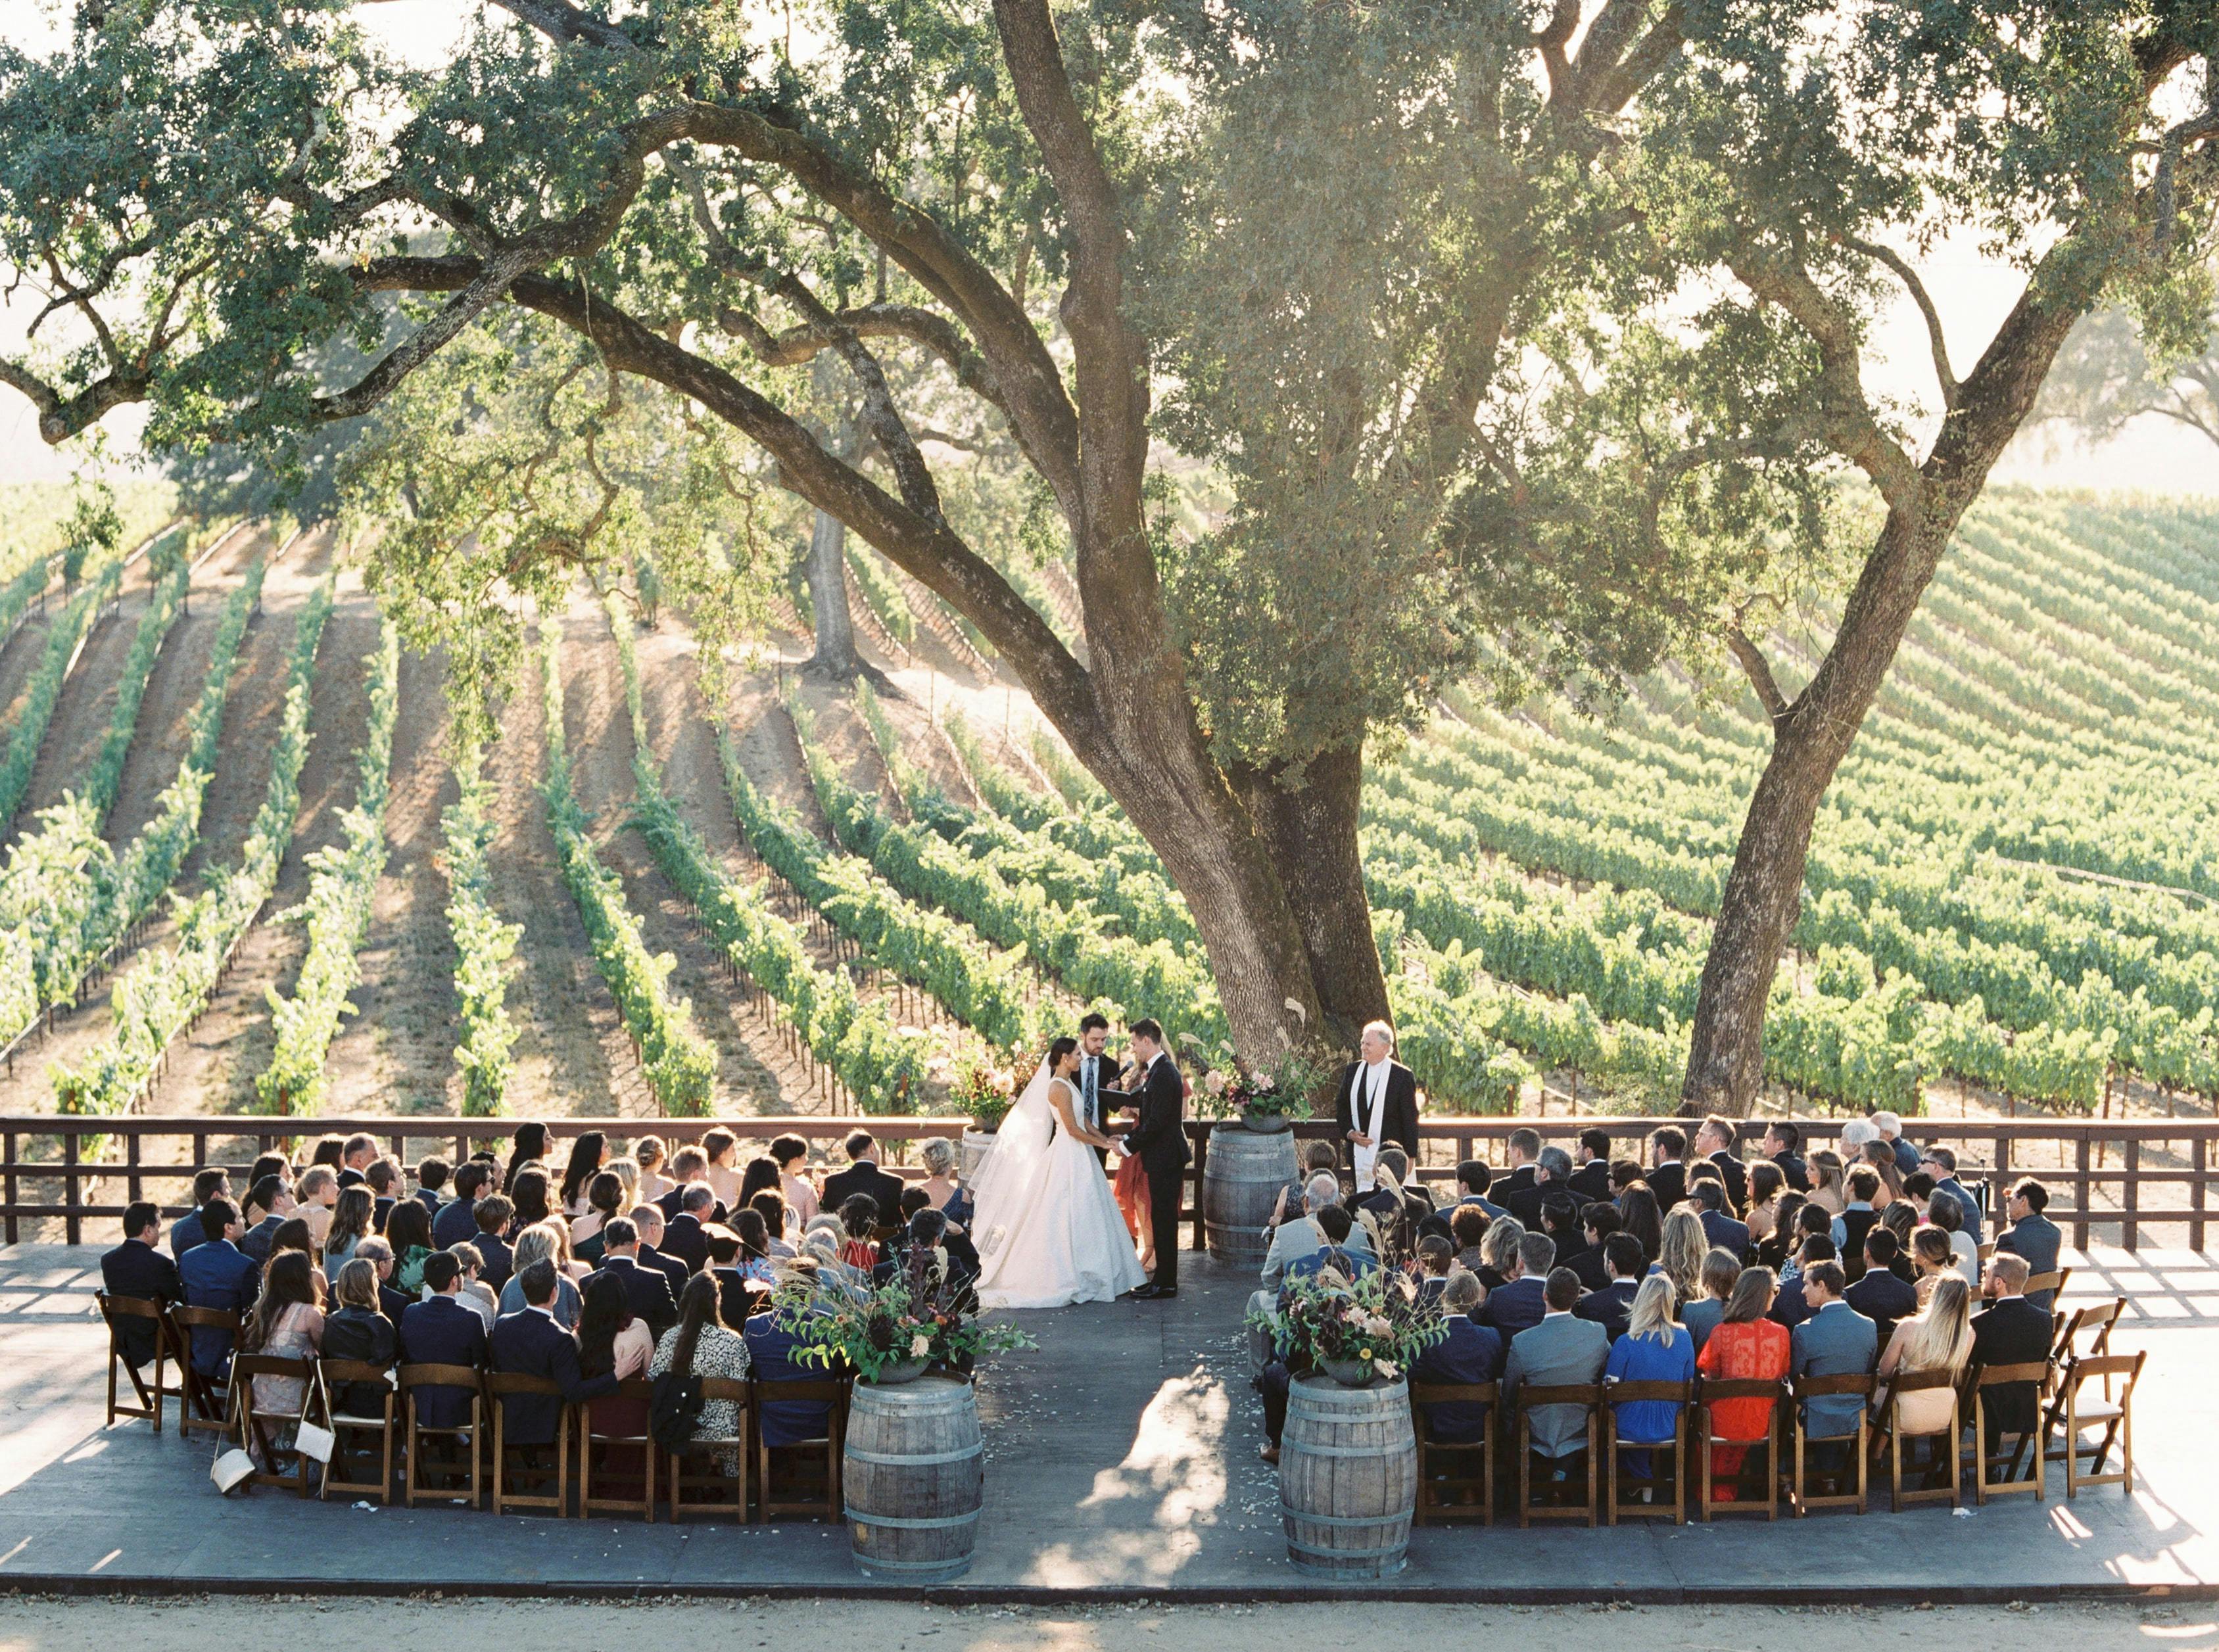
pixel 440 1331
pixel 1669 1184
pixel 2011 1331
pixel 1591 1182
pixel 866 1177
pixel 1158 1141
pixel 1793 1172
pixel 1610 1308
pixel 669 1267
pixel 736 1304
pixel 531 1343
pixel 683 1238
pixel 1736 1174
pixel 1510 1182
pixel 1883 1299
pixel 1397 1118
pixel 134 1269
pixel 648 1291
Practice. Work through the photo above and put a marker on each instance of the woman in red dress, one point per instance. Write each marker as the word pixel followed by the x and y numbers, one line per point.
pixel 1745 1346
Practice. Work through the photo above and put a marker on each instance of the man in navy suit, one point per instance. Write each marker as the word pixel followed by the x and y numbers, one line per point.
pixel 136 1269
pixel 1718 1228
pixel 770 1359
pixel 529 1343
pixel 441 1331
pixel 1791 1303
pixel 2032 1236
pixel 1717 1140
pixel 1612 1307
pixel 185 1232
pixel 646 1288
pixel 684 1239
pixel 271 1196
pixel 494 1214
pixel 648 1219
pixel 455 1221
pixel 1783 1145
pixel 217 1274
pixel 1592 1180
pixel 1471 1353
pixel 354 1158
pixel 1880 1296
pixel 1667 1177
pixel 1522 1301
pixel 864 1175
pixel 1941 1164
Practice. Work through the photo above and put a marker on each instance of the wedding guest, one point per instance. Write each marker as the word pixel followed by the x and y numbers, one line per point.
pixel 1719 1229
pixel 1947 1217
pixel 2031 1236
pixel 1520 1148
pixel 1300 1236
pixel 1880 1293
pixel 1746 1346
pixel 1882 1161
pixel 351 1220
pixel 1468 1228
pixel 1783 1146
pixel 649 1153
pixel 1667 1177
pixel 330 1150
pixel 408 1231
pixel 530 1193
pixel 1474 1182
pixel 442 1330
pixel 682 1237
pixel 646 1288
pixel 1932 1260
pixel 1858 1218
pixel 1829 1181
pixel 533 1245
pixel 791 1153
pixel 1499 1253
pixel 286 1323
pixel 1598 1222
pixel 528 1146
pixel 358 1331
pixel 494 1214
pixel 1560 1221
pixel 1523 1300
pixel 863 1176
pixel 1639 1215
pixel 698 1344
pixel 293 1234
pixel 859 1219
pixel 1790 1306
pixel 1836 1340
pixel 1938 1339
pixel 1719 1140
pixel 275 1204
pixel 770 1349
pixel 217 1274
pixel 587 1154
pixel 185 1232
pixel 1319 1159
pixel 356 1153
pixel 1612 1307
pixel 1625 1173
pixel 720 1168
pixel 652 1231
pixel 1680 1258
pixel 942 1162
pixel 759 1174
pixel 1471 1354
pixel 1548 1166
pixel 605 1200
pixel 770 1205
pixel 1435 1257
pixel 2011 1331
pixel 1941 1163
pixel 136 1269
pixel 383 1179
pixel 1558 1351
pixel 613 1341
pixel 1339 1253
pixel 1591 1181
pixel 1899 1219
pixel 470 1289
pixel 1786 1233
pixel 379 1254
pixel 456 1222
pixel 1721 1270
pixel 532 1342
pixel 1887 1127
pixel 1855 1134
pixel 1766 1184
pixel 1651 1349
pixel 431 1174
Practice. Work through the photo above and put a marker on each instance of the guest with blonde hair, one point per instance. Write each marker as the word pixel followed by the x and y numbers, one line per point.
pixel 1653 1350
pixel 1829 1181
pixel 1938 1339
pixel 1680 1258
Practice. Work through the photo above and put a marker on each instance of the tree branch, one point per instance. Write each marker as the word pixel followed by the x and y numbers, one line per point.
pixel 1758 670
pixel 1937 340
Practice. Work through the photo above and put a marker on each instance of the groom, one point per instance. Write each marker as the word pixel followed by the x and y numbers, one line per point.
pixel 1158 1141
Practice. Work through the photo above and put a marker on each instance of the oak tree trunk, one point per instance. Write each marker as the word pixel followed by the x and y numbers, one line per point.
pixel 836 657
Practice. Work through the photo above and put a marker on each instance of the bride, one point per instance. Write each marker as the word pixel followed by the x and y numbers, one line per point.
pixel 1047 1229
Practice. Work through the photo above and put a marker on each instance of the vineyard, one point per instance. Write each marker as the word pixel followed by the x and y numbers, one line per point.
pixel 252 866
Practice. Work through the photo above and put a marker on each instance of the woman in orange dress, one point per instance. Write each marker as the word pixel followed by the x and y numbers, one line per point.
pixel 1745 1346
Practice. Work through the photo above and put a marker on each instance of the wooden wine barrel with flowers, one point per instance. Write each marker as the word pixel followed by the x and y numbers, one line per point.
pixel 1251 1157
pixel 916 1479
pixel 1348 1478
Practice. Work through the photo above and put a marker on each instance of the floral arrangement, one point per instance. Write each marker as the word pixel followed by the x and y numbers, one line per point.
pixel 1378 1319
pixel 982 1090
pixel 1230 1091
pixel 921 1313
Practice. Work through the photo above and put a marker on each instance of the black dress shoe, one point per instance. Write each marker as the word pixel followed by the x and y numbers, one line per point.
pixel 1154 1293
pixel 1138 1294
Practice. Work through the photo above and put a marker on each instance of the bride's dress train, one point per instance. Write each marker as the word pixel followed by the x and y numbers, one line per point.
pixel 1046 1224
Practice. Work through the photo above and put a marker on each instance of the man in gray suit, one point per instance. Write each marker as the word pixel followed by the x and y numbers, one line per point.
pixel 2032 1236
pixel 1562 1350
pixel 1835 1341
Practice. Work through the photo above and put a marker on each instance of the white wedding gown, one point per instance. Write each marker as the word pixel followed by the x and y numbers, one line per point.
pixel 1046 1224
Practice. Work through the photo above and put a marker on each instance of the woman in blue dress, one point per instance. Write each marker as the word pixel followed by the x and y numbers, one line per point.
pixel 1654 1349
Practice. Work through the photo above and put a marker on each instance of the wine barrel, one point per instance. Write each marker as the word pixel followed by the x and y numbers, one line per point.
pixel 977 1144
pixel 1240 1182
pixel 916 1479
pixel 1348 1478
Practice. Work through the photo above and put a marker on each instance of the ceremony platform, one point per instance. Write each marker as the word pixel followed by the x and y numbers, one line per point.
pixel 1121 1464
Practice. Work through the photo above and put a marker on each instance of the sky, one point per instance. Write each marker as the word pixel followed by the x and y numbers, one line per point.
pixel 1972 292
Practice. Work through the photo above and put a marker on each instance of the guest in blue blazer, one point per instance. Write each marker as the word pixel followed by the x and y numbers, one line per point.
pixel 443 1330
pixel 1472 1353
pixel 2032 1236
pixel 1612 1307
pixel 185 1232
pixel 531 1343
pixel 1881 1295
pixel 1522 1302
pixel 1835 1341
pixel 770 1359
pixel 1719 1229
pixel 217 1274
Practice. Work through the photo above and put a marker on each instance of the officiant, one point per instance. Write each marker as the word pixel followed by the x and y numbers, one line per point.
pixel 1377 1104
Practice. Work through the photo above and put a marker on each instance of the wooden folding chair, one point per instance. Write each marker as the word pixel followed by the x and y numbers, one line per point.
pixel 1447 1489
pixel 1616 1392
pixel 422 1462
pixel 1945 1440
pixel 695 1468
pixel 2054 1282
pixel 2086 1335
pixel 350 1454
pixel 1801 1498
pixel 261 1428
pixel 1587 1395
pixel 497 1384
pixel 2114 1417
pixel 2036 1374
pixel 641 1445
pixel 1710 1391
pixel 206 1406
pixel 832 1393
pixel 118 1311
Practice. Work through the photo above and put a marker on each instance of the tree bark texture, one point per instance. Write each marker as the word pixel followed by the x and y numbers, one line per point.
pixel 835 657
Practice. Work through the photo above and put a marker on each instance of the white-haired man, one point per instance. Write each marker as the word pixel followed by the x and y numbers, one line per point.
pixel 1295 1238
pixel 1889 1128
pixel 1377 1102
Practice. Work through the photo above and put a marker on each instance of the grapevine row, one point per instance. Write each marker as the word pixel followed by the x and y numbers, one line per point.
pixel 483 944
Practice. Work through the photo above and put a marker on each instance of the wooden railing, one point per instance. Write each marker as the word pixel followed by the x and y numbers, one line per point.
pixel 2121 1162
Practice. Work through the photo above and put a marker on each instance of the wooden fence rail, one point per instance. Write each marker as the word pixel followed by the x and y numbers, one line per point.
pixel 2109 1158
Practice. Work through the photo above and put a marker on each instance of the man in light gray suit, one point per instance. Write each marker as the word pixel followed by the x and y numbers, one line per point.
pixel 2032 1237
pixel 1835 1341
pixel 1564 1350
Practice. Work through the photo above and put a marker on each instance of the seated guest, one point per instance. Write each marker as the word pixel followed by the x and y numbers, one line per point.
pixel 736 1300
pixel 271 1198
pixel 754 1261
pixel 1680 1260
pixel 862 1176
pixel 613 1341
pixel 379 1254
pixel 2010 1331
pixel 604 1202
pixel 408 1231
pixel 1560 1221
pixel 329 1150
pixel 1900 1220
pixel 1319 1159
pixel 1560 1349
pixel 355 1156
pixel 770 1348
pixel 1652 1349
pixel 382 1177
pixel 759 1174
pixel 1879 1294
pixel 217 1274
pixel 457 1221
pixel 1720 1231
pixel 1939 1339
pixel 1597 1223
pixel 318 1202
pixel 1790 1308
pixel 532 1194
pixel 1931 1260
pixel 1474 1179
pixel 1471 1355
pixel 859 1219
pixel 358 1331
pixel 1783 1147
pixel 1858 1218
pixel 1520 1148
pixel 493 1215
pixel 1552 1171
pixel 1625 1173
pixel 1668 1177
pixel 471 1290
pixel 1766 1188
pixel 1836 1340
pixel 136 1269
pixel 1300 1235
pixel 1639 1215
pixel 293 1234
pixel 953 1259
pixel 531 1343
pixel 682 1237
pixel 1522 1302
pixel 1746 1346
pixel 941 1160
pixel 1887 1127
pixel 1719 1141
pixel 1829 1181
pixel 1941 1163
pixel 1786 1233
pixel 646 1289
pixel 1468 1226
pixel 2032 1237
pixel 431 1174
pixel 1591 1182
pixel 648 1219
pixel 1612 1307
pixel 721 1148
pixel 1499 1253
pixel 1436 1255
pixel 770 1205
pixel 537 1243
pixel 651 1156
pixel 286 1323
pixel 1338 1253
pixel 791 1153
pixel 441 1330
pixel 351 1220
pixel 1945 1217
pixel 1721 1270
pixel 1882 1160
pixel 185 1232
